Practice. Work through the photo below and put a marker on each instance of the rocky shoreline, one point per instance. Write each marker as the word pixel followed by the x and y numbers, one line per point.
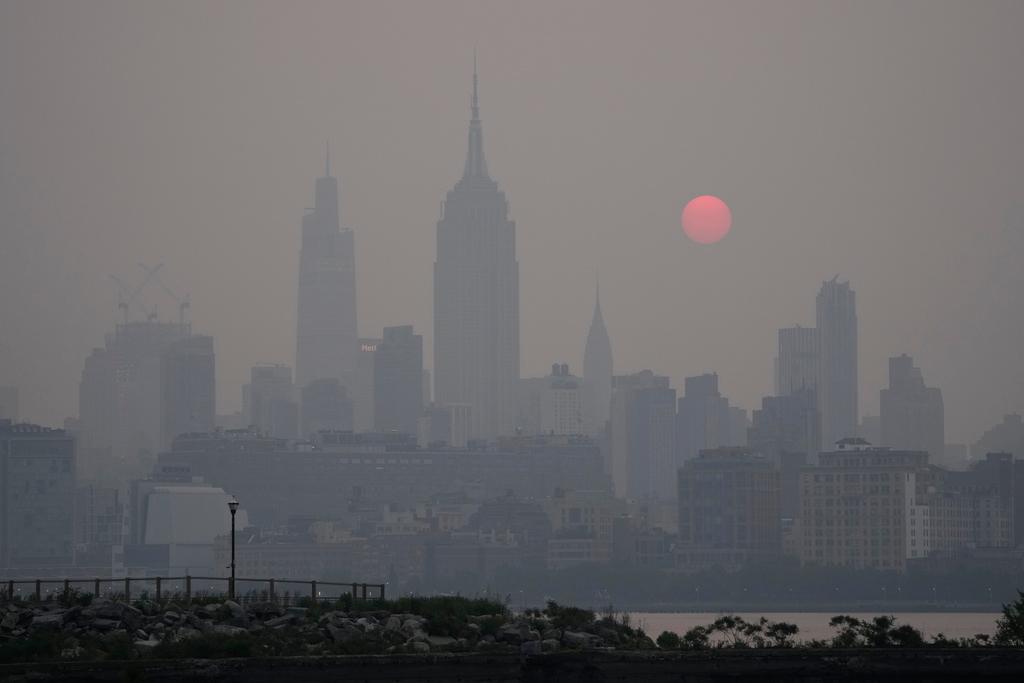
pixel 109 629
pixel 453 638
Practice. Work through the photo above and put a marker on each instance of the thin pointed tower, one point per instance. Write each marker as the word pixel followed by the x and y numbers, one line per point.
pixel 597 373
pixel 327 337
pixel 476 295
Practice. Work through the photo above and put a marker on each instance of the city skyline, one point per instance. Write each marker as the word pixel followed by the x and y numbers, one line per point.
pixel 410 151
pixel 723 315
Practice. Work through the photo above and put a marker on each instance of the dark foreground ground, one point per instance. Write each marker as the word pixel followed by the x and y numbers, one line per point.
pixel 931 664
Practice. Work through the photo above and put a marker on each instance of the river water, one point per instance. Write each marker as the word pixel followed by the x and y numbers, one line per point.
pixel 814 625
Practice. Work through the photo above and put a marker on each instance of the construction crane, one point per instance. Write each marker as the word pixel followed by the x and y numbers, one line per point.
pixel 184 303
pixel 127 296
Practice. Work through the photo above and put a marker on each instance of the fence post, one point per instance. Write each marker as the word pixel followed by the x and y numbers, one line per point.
pixel 67 590
pixel 96 590
pixel 382 592
pixel 10 590
pixel 271 590
pixel 364 592
pixel 127 590
pixel 312 585
pixel 39 590
pixel 188 589
pixel 158 589
pixel 354 593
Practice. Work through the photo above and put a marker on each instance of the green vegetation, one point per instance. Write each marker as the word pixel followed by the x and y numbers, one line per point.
pixel 77 631
pixel 1010 627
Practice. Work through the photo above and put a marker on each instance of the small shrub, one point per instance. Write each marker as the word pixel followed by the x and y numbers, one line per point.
pixel 880 631
pixel 1010 626
pixel 669 641
pixel 697 638
pixel 571 618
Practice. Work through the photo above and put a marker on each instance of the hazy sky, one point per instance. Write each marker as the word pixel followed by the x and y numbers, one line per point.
pixel 878 140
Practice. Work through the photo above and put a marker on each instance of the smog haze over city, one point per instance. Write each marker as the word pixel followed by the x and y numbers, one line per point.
pixel 539 298
pixel 878 141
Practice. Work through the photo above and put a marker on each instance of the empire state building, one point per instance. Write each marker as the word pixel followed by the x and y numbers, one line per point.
pixel 476 296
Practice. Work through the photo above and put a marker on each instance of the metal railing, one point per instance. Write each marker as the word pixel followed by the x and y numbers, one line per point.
pixel 187 587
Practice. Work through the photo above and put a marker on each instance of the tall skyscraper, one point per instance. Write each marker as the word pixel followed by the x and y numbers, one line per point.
pixel 362 385
pixel 268 402
pixel 597 374
pixel 560 410
pixel 786 424
pixel 37 496
pixel 797 366
pixel 476 296
pixel 703 417
pixel 325 405
pixel 398 380
pixel 913 417
pixel 837 361
pixel 150 380
pixel 786 431
pixel 189 387
pixel 327 341
pixel 642 433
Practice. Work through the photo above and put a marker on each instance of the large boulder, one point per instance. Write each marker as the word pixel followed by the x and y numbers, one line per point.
pixel 344 633
pixel 280 622
pixel 104 624
pixel 440 642
pixel 132 617
pixel 207 611
pixel 10 620
pixel 238 616
pixel 235 609
pixel 48 621
pixel 104 609
pixel 229 630
pixel 266 610
pixel 411 625
pixel 186 633
pixel 145 646
pixel 578 639
pixel 509 633
pixel 551 634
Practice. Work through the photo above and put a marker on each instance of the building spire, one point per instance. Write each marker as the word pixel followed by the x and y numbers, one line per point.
pixel 598 319
pixel 475 106
pixel 476 165
pixel 327 161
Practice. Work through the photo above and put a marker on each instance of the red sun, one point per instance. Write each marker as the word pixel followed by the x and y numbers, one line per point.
pixel 706 219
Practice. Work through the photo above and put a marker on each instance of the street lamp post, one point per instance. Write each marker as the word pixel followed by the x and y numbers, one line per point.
pixel 233 506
